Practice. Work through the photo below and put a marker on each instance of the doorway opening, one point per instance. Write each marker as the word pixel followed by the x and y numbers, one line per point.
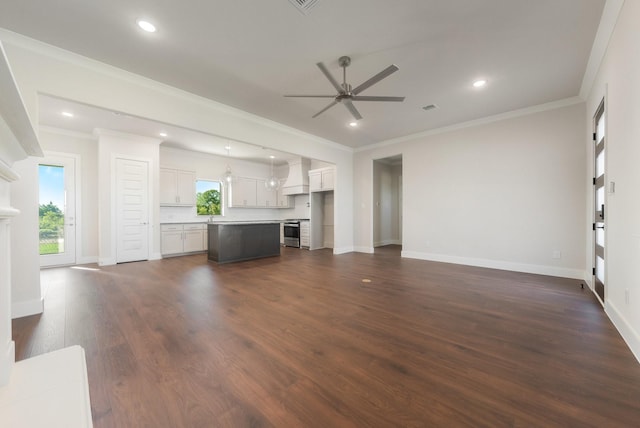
pixel 387 204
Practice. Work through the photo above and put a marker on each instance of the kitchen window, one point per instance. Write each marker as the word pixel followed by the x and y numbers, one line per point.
pixel 208 197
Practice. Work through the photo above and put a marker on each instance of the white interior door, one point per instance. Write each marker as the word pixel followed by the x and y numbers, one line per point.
pixel 132 210
pixel 57 211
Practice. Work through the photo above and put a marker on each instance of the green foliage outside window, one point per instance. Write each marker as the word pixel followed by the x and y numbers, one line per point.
pixel 208 202
pixel 51 228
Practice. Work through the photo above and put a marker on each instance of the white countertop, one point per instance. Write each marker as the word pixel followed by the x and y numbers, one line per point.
pixel 222 221
pixel 198 221
pixel 236 222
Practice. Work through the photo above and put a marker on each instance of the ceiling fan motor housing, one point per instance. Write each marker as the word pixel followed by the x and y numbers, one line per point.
pixel 344 61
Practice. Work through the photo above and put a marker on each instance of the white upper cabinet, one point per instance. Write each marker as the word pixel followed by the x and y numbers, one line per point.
pixel 186 188
pixel 243 192
pixel 265 198
pixel 251 193
pixel 177 187
pixel 322 179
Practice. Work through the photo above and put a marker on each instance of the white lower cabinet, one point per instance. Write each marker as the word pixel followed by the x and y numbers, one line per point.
pixel 171 239
pixel 183 238
pixel 193 238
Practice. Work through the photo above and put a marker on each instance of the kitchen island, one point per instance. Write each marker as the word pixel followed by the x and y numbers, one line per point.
pixel 237 241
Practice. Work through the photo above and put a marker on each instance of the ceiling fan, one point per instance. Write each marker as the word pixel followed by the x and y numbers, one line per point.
pixel 346 95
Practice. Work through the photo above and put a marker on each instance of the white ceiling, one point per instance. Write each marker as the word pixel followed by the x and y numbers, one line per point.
pixel 248 54
pixel 87 118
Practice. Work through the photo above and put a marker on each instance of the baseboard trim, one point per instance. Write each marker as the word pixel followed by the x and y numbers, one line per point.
pixel 368 250
pixel 496 264
pixel 106 262
pixel 87 260
pixel 25 309
pixel 629 335
pixel 387 242
pixel 155 256
pixel 343 250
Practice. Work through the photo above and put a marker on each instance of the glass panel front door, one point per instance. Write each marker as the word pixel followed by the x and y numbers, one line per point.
pixel 599 199
pixel 52 207
pixel 57 211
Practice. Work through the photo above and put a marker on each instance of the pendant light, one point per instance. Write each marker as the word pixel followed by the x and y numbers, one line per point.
pixel 227 177
pixel 272 182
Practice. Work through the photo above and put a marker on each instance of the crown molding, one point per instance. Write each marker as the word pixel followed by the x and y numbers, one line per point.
pixel 100 132
pixel 477 122
pixel 6 173
pixel 606 27
pixel 65 132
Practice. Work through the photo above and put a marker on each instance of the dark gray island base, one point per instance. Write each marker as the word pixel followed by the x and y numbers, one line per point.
pixel 234 242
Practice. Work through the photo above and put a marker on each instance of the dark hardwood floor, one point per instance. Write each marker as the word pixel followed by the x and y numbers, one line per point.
pixel 301 341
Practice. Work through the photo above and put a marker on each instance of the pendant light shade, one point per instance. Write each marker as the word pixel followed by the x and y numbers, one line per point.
pixel 272 183
pixel 227 176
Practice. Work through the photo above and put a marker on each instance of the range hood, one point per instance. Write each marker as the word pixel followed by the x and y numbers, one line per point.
pixel 298 180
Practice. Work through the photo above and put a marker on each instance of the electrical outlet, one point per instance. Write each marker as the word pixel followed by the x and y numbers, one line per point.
pixel 556 254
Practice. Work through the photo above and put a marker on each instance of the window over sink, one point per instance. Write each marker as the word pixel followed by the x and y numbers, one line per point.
pixel 208 197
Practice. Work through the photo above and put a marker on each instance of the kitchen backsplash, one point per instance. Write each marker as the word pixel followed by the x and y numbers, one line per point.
pixel 188 214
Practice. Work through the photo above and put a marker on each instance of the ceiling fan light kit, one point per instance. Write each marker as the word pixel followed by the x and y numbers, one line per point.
pixel 346 95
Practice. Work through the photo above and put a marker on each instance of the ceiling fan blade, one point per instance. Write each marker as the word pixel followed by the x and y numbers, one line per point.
pixel 375 79
pixel 309 96
pixel 328 75
pixel 349 105
pixel 324 109
pixel 374 98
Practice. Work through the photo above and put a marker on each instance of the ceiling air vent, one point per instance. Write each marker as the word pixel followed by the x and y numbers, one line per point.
pixel 304 6
pixel 430 107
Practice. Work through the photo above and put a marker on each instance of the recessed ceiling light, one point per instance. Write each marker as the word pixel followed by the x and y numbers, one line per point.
pixel 227 147
pixel 146 26
pixel 67 114
pixel 272 157
pixel 163 134
pixel 353 124
pixel 479 83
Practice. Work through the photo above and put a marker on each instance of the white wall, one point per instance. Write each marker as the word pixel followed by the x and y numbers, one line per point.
pixel 618 80
pixel 26 292
pixel 505 194
pixel 42 68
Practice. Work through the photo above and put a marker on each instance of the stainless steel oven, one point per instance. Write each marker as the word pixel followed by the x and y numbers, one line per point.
pixel 291 231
